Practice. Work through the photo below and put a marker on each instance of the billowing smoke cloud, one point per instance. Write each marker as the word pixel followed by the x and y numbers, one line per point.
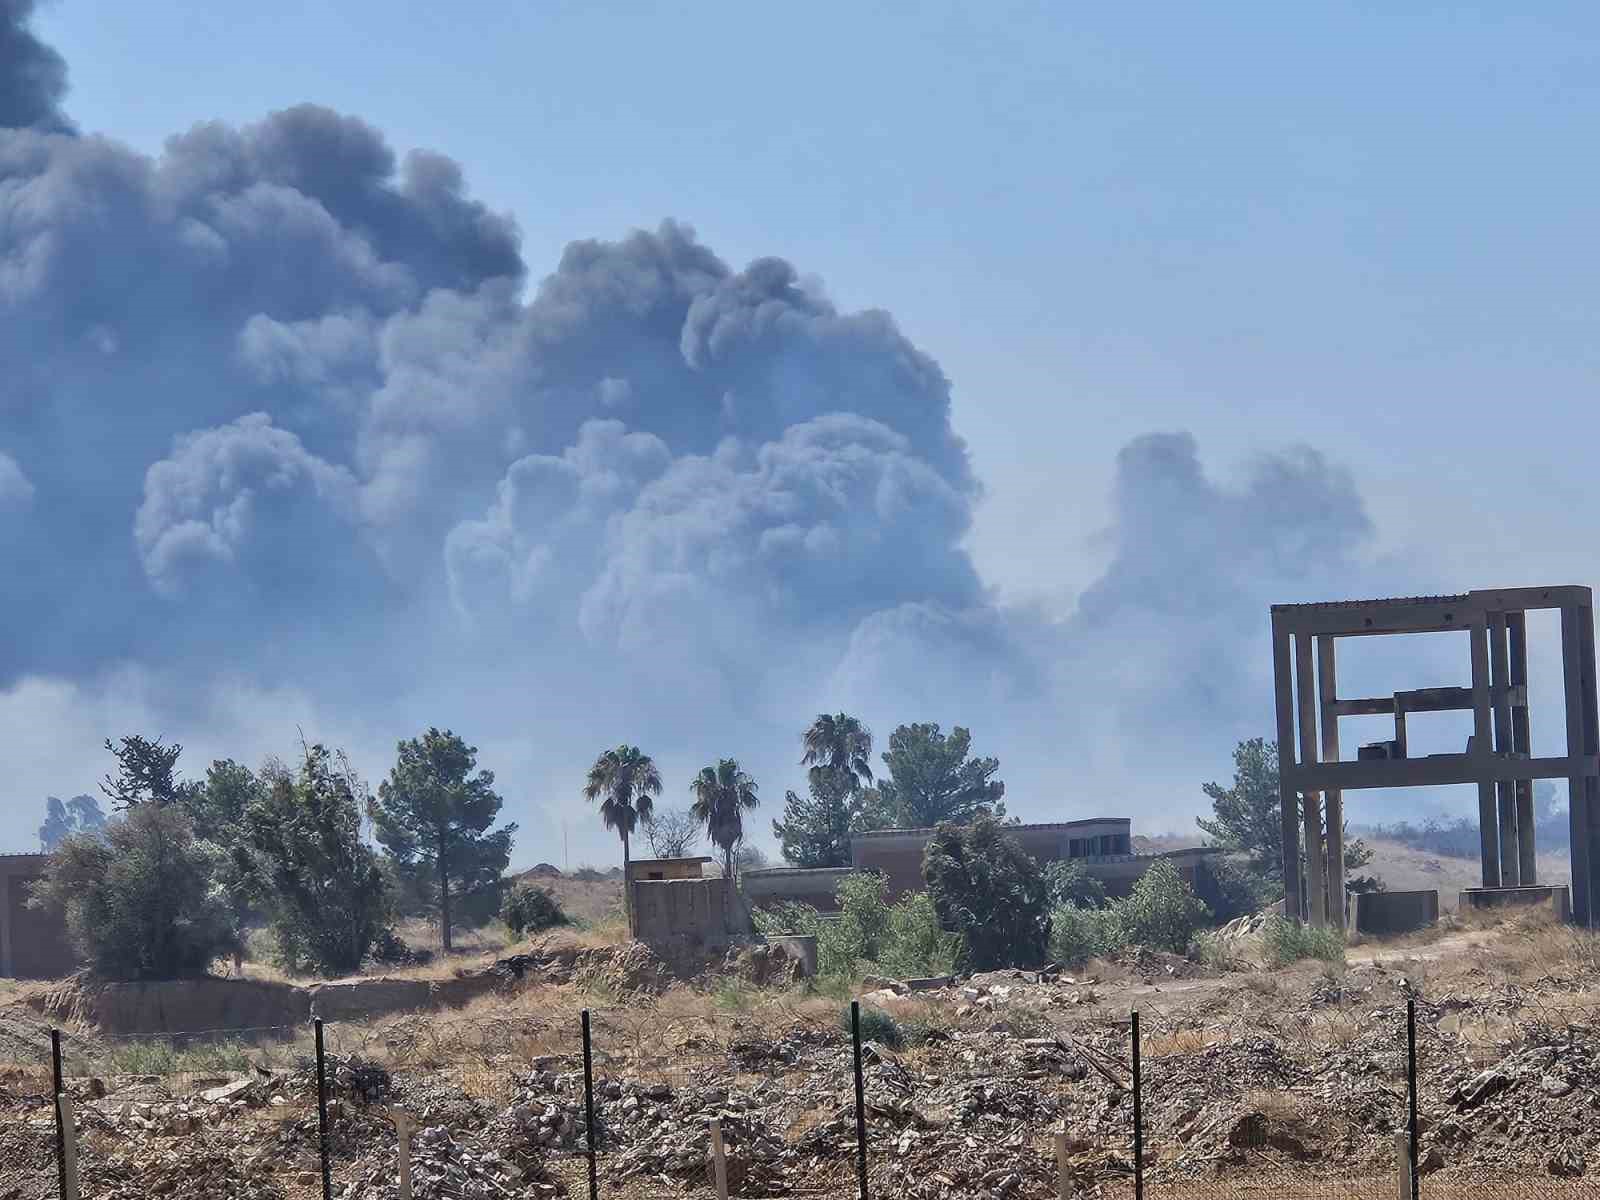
pixel 35 77
pixel 282 419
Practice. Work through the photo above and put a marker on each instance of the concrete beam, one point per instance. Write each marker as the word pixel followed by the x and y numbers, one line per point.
pixel 1434 770
pixel 1577 792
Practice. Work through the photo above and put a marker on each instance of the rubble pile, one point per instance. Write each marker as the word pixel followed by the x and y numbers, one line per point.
pixel 629 970
pixel 446 1165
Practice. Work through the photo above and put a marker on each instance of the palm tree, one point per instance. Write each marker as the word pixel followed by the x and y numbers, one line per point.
pixel 840 746
pixel 721 794
pixel 623 780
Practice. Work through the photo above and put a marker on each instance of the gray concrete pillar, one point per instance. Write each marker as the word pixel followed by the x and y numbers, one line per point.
pixel 1306 691
pixel 8 968
pixel 1575 686
pixel 1288 805
pixel 1328 694
pixel 1522 747
pixel 1482 747
pixel 1505 790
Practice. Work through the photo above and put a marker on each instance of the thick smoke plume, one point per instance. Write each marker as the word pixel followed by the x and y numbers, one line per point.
pixel 287 434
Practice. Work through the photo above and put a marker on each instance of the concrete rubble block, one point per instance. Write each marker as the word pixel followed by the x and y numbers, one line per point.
pixel 1383 913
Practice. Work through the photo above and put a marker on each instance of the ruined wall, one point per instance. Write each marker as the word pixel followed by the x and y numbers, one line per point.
pixel 681 917
pixel 33 943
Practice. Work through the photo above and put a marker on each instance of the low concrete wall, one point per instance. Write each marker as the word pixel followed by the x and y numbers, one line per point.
pixel 210 1003
pixel 816 886
pixel 1383 913
pixel 355 999
pixel 178 1005
pixel 1557 898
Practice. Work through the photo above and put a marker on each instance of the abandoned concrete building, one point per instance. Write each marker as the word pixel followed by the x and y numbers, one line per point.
pixel 1497 759
pixel 33 944
pixel 1103 844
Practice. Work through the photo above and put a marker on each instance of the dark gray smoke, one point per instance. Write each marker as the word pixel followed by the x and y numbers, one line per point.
pixel 33 77
pixel 286 436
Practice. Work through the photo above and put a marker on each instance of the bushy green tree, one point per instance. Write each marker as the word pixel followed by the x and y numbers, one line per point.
pixel 991 892
pixel 81 814
pixel 1246 816
pixel 433 816
pixel 530 909
pixel 140 896
pixel 324 891
pixel 815 830
pixel 1162 912
pixel 931 781
pixel 722 795
pixel 1069 882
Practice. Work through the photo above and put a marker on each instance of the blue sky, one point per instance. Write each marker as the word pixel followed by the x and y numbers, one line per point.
pixel 1357 228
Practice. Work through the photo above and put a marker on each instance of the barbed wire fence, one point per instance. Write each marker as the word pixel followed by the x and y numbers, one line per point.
pixel 640 1104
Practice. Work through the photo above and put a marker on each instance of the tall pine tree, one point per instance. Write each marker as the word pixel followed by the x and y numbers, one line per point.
pixel 434 814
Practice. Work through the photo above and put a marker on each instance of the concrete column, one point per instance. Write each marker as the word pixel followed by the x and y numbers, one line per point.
pixel 1591 747
pixel 1577 790
pixel 1327 694
pixel 1306 691
pixel 1288 807
pixel 1482 738
pixel 1505 790
pixel 8 968
pixel 1522 747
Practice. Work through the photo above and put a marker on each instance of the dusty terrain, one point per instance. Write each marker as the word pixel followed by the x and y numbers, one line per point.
pixel 1290 1080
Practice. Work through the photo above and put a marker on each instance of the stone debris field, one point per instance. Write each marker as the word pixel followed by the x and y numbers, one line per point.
pixel 1251 1081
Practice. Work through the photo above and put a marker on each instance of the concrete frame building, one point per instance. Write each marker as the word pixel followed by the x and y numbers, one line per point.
pixel 1498 757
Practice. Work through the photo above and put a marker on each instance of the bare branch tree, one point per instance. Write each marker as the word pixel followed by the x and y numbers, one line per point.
pixel 672 832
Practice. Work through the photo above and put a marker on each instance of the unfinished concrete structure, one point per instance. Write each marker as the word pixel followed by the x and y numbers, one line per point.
pixel 1497 758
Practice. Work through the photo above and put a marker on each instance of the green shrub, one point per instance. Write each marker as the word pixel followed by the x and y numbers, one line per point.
pixel 1069 882
pixel 530 909
pixel 1235 890
pixel 876 1026
pixel 1077 933
pixel 869 934
pixel 915 946
pixel 1288 941
pixel 1162 912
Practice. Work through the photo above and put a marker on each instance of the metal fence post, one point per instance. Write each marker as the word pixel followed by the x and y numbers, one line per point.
pixel 322 1116
pixel 1411 1093
pixel 588 1106
pixel 861 1099
pixel 55 1091
pixel 1138 1115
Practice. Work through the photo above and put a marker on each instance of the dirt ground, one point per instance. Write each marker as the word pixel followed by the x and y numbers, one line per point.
pixel 1288 1082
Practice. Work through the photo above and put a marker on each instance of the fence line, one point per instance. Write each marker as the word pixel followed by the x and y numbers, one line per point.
pixel 716 1143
